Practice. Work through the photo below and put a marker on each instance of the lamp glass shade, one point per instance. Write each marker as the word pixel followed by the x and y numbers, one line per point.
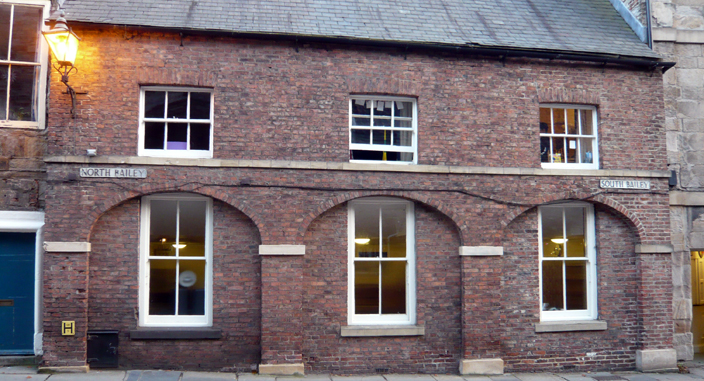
pixel 63 45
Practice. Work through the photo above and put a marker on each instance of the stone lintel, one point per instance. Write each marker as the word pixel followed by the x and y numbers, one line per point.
pixel 282 369
pixel 481 251
pixel 67 247
pixel 63 369
pixel 482 366
pixel 655 249
pixel 282 249
pixel 654 360
pixel 678 198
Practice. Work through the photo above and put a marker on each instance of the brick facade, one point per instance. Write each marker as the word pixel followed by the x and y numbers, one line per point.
pixel 280 108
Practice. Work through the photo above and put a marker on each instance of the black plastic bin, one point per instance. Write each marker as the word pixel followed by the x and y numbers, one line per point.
pixel 102 349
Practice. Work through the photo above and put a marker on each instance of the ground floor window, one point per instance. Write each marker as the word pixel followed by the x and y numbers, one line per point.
pixel 567 262
pixel 381 262
pixel 176 261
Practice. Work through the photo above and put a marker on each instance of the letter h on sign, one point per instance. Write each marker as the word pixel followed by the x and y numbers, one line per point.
pixel 68 328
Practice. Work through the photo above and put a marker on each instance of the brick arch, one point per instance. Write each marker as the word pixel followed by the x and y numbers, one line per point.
pixel 149 189
pixel 432 202
pixel 564 95
pixel 636 223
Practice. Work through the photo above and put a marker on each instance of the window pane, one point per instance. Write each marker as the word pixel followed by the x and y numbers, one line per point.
pixel 178 102
pixel 366 230
pixel 366 155
pixel 552 286
pixel 200 105
pixel 558 150
pixel 545 121
pixel 361 136
pixel 572 121
pixel 162 227
pixel 5 10
pixel 403 123
pixel 191 288
pixel 25 34
pixel 366 287
pixel 574 220
pixel 177 136
pixel 381 137
pixel 587 121
pixel 393 287
pixel 393 230
pixel 383 108
pixel 403 138
pixel 545 150
pixel 357 121
pixel 576 284
pixel 382 122
pixel 153 135
pixel 558 119
pixel 154 104
pixel 361 107
pixel 192 228
pixel 162 287
pixel 22 85
pixel 404 109
pixel 586 145
pixel 200 136
pixel 3 91
pixel 571 150
pixel 551 223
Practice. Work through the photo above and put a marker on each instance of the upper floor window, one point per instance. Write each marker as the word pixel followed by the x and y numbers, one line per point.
pixel 23 63
pixel 381 262
pixel 383 129
pixel 568 137
pixel 176 122
pixel 567 262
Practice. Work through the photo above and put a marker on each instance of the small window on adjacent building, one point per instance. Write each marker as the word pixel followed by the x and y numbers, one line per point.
pixel 568 137
pixel 176 261
pixel 176 122
pixel 381 262
pixel 23 63
pixel 383 129
pixel 567 262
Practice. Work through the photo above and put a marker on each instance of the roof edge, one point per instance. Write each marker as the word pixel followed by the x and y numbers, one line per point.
pixel 501 52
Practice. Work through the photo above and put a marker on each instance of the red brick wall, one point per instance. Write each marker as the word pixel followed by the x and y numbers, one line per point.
pixel 273 102
pixel 525 350
pixel 21 169
pixel 438 300
pixel 114 287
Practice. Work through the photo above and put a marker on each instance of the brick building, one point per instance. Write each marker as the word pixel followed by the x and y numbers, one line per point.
pixel 359 188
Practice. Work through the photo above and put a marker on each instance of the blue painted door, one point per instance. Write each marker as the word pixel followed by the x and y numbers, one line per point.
pixel 17 251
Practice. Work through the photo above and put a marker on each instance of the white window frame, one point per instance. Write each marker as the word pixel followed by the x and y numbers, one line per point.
pixel 146 320
pixel 595 136
pixel 41 81
pixel 187 153
pixel 591 313
pixel 380 147
pixel 409 318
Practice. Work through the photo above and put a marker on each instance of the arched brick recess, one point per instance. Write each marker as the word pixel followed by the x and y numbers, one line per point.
pixel 563 95
pixel 429 201
pixel 372 85
pixel 148 189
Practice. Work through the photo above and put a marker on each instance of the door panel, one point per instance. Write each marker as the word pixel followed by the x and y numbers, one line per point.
pixel 17 257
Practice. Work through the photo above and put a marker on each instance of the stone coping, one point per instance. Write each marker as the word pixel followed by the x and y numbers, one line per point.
pixel 339 166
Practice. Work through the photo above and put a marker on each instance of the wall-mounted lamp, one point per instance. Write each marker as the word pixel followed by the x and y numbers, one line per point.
pixel 64 47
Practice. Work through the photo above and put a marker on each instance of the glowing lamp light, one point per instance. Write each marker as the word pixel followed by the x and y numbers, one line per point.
pixel 179 245
pixel 362 241
pixel 559 241
pixel 63 43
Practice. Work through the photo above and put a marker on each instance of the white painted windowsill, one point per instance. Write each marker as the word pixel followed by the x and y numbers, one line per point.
pixel 381 330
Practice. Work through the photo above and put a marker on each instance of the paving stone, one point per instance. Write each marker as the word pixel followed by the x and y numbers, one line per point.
pixel 204 376
pixel 18 370
pixel 316 377
pixel 23 377
pixel 413 377
pixel 503 377
pixel 637 377
pixel 451 377
pixel 538 377
pixel 476 378
pixel 576 377
pixel 358 378
pixel 254 377
pixel 159 375
pixel 106 375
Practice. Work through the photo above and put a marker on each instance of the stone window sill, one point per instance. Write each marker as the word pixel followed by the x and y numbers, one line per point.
pixel 175 334
pixel 381 330
pixel 571 326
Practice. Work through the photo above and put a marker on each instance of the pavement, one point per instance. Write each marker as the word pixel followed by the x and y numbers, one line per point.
pixel 694 371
